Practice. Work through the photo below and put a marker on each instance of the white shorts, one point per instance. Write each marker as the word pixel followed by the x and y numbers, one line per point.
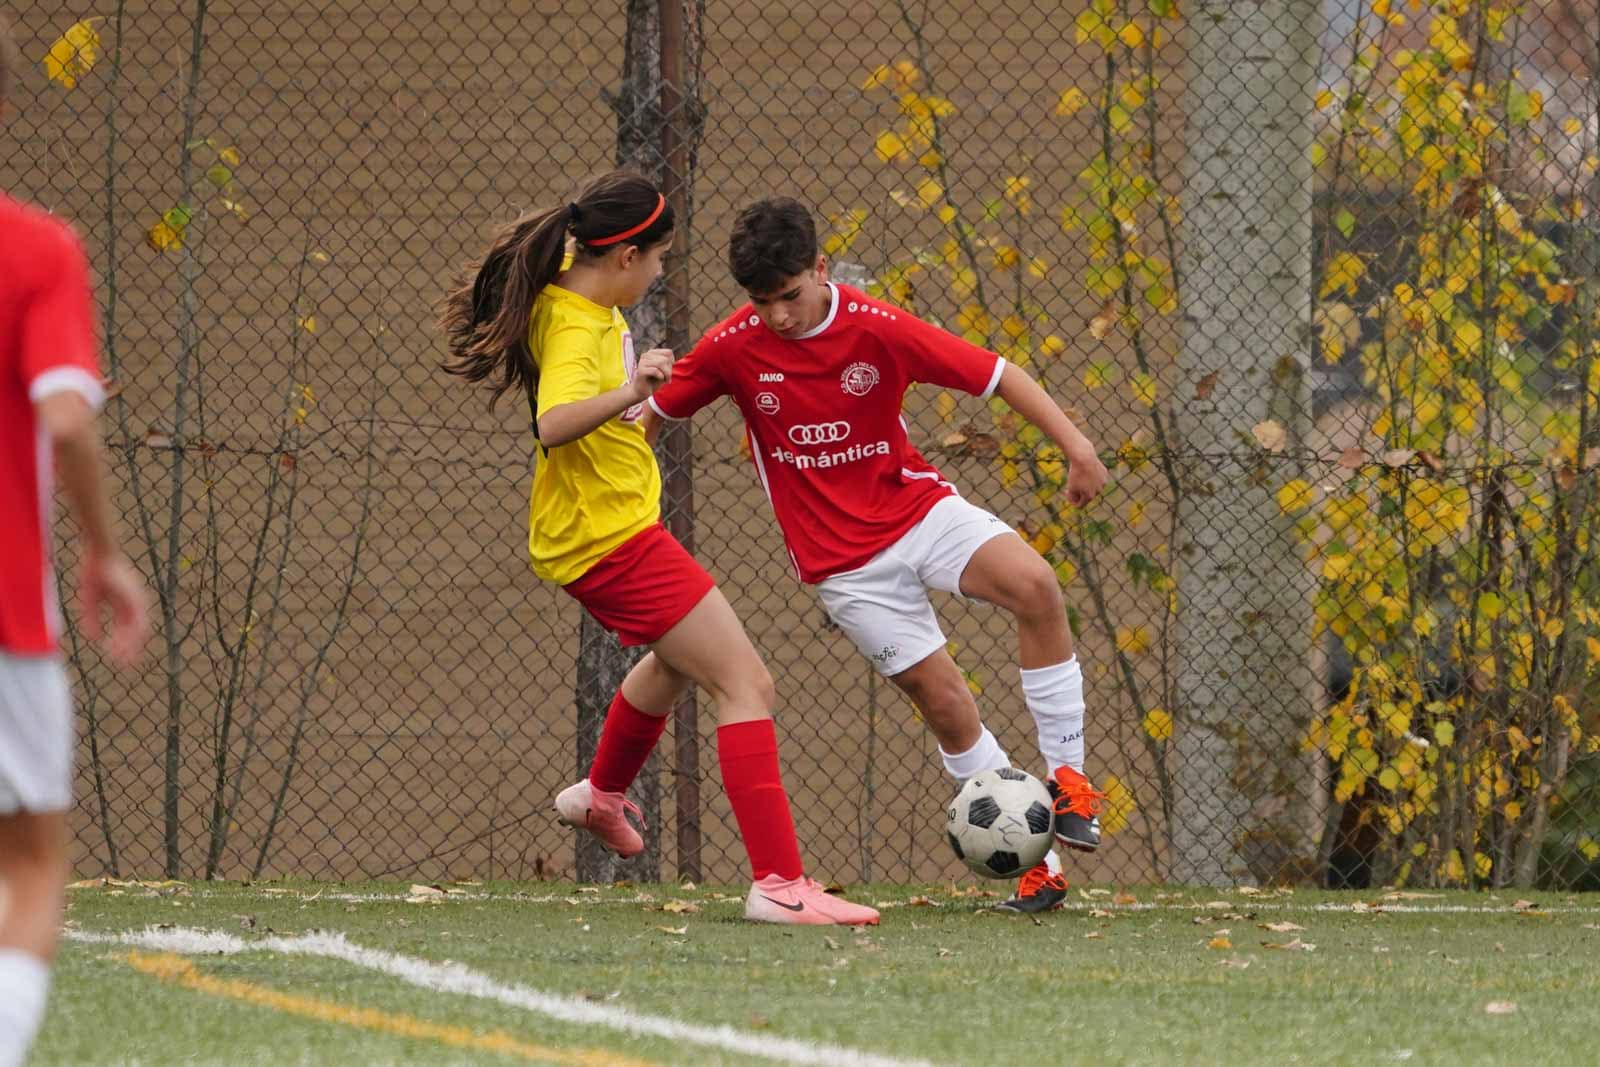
pixel 36 735
pixel 883 606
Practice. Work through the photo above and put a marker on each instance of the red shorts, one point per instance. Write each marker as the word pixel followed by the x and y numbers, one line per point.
pixel 643 587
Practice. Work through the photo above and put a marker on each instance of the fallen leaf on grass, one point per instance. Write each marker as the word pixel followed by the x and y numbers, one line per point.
pixel 1235 962
pixel 1500 1007
pixel 588 889
pixel 1214 904
pixel 759 1022
pixel 678 930
pixel 1281 928
pixel 1524 905
pixel 1101 913
pixel 1296 945
pixel 1125 899
pixel 1591 926
pixel 92 883
pixel 945 952
pixel 1095 935
pixel 922 902
pixel 680 907
pixel 1220 942
pixel 425 892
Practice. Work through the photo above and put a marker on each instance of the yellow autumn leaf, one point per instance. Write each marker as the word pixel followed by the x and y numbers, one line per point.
pixel 230 156
pixel 308 323
pixel 1052 345
pixel 1158 724
pixel 1295 496
pixel 162 237
pixel 929 192
pixel 1131 35
pixel 946 406
pixel 1118 806
pixel 1324 98
pixel 73 54
pixel 1133 640
pixel 1071 102
pixel 1144 389
pixel 889 146
pixel 1343 272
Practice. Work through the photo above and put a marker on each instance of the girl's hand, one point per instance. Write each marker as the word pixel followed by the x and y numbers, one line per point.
pixel 654 371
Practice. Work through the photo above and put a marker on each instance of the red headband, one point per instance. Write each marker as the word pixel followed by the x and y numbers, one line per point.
pixel 661 205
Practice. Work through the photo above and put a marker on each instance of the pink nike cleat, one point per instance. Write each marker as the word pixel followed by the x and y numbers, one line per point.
pixel 802 901
pixel 605 815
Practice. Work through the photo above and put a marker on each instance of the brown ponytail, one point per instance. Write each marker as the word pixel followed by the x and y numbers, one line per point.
pixel 486 312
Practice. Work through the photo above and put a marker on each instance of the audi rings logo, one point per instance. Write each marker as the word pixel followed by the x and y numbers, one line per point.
pixel 821 433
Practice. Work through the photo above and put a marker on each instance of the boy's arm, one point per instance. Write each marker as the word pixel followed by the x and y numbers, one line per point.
pixel 696 382
pixel 105 577
pixel 1086 475
pixel 60 366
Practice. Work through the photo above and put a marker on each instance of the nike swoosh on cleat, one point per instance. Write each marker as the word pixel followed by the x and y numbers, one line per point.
pixel 785 907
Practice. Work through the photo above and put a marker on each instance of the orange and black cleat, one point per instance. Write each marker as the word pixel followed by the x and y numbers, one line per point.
pixel 1077 809
pixel 1039 891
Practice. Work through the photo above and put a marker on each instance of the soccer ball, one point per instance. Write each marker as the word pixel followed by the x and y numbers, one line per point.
pixel 1001 823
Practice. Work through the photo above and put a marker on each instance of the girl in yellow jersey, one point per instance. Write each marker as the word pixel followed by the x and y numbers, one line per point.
pixel 540 313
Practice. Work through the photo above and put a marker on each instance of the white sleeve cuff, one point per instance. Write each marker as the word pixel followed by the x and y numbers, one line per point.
pixel 651 400
pixel 994 379
pixel 68 379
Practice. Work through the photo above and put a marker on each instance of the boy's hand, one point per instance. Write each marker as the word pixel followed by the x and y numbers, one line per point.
pixel 654 371
pixel 108 580
pixel 1086 476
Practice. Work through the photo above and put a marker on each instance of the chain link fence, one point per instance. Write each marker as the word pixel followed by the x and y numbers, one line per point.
pixel 1320 279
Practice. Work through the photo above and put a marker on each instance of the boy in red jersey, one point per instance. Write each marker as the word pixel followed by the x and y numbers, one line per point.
pixel 49 391
pixel 819 371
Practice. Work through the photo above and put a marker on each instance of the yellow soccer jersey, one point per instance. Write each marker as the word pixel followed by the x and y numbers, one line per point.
pixel 592 494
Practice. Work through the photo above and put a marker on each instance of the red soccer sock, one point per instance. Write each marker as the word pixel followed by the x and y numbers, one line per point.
pixel 748 752
pixel 626 741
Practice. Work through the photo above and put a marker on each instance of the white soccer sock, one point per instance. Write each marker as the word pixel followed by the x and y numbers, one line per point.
pixel 986 755
pixel 1054 696
pixel 1052 861
pixel 24 985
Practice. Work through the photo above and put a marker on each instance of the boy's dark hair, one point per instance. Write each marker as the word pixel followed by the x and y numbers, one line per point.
pixel 772 241
pixel 8 60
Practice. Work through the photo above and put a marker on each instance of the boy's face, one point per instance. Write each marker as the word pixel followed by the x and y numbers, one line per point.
pixel 799 304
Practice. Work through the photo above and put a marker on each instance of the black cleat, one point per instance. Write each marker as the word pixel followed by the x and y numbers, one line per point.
pixel 1077 809
pixel 1039 891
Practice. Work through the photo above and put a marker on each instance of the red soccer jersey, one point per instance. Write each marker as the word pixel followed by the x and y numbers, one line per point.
pixel 47 344
pixel 822 412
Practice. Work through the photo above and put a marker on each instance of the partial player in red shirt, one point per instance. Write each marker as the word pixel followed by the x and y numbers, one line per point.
pixel 49 391
pixel 820 371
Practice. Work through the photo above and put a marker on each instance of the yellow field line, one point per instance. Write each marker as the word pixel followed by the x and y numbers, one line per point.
pixel 178 971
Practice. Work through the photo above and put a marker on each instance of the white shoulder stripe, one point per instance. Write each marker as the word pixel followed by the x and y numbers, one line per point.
pixel 68 379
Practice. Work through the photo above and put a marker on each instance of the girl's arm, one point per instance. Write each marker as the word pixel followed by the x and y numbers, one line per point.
pixel 565 423
pixel 1086 475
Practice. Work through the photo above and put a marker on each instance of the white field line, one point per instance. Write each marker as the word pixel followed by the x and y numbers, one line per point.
pixel 451 977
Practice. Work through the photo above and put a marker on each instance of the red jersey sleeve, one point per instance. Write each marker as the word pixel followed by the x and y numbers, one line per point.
pixel 939 357
pixel 56 335
pixel 696 382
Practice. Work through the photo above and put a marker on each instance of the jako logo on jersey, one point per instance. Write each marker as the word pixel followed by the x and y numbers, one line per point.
pixel 829 459
pixel 769 377
pixel 858 379
pixel 767 403
pixel 822 433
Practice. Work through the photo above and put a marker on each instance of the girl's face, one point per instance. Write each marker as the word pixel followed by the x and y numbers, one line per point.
pixel 639 267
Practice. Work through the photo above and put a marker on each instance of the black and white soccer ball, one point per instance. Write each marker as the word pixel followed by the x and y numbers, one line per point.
pixel 1001 823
